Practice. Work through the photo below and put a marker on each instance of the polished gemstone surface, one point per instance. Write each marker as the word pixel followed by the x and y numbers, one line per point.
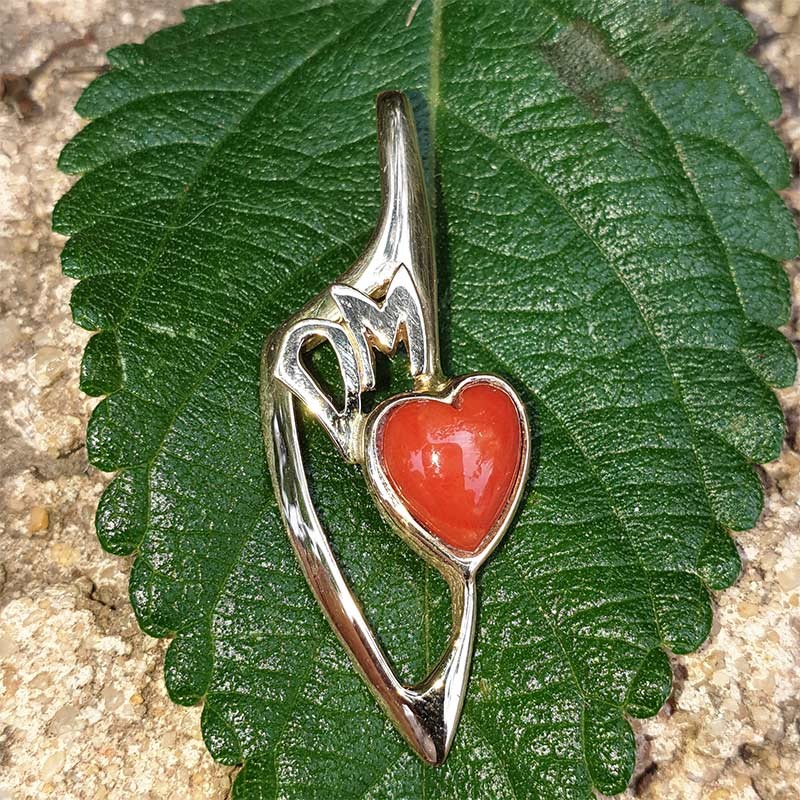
pixel 455 465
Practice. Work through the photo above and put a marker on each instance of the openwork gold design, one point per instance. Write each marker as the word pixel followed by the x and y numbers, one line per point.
pixel 387 296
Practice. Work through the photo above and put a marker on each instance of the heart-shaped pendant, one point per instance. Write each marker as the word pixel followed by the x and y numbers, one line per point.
pixel 449 465
pixel 446 463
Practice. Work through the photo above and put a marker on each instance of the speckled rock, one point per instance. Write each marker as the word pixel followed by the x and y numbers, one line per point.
pixel 87 713
pixel 83 711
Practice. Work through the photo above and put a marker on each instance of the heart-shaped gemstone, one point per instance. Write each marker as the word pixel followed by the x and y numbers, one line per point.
pixel 454 465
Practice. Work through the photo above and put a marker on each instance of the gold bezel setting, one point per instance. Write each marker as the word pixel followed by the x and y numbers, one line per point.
pixel 428 545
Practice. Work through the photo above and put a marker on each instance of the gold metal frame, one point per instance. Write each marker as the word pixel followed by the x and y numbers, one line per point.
pixel 387 296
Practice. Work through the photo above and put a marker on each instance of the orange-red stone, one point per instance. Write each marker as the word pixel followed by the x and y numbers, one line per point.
pixel 454 466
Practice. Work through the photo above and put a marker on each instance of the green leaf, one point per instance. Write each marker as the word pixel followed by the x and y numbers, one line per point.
pixel 609 238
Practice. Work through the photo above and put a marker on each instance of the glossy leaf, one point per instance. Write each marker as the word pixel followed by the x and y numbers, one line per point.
pixel 609 238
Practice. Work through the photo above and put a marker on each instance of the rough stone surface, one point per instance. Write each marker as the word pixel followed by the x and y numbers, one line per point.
pixel 83 711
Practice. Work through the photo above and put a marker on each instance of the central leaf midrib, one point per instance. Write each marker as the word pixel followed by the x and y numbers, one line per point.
pixel 433 109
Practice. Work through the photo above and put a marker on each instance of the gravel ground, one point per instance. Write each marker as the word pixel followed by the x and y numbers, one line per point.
pixel 83 711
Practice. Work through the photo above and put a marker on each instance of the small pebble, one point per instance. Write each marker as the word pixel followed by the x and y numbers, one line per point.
pixel 53 764
pixel 9 334
pixel 789 578
pixel 64 554
pixel 749 609
pixel 47 365
pixel 39 520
